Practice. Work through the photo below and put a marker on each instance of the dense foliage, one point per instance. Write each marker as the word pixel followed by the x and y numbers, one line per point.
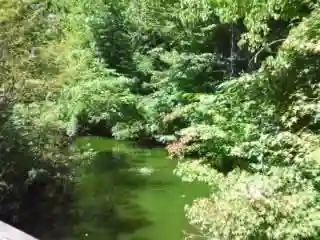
pixel 234 84
pixel 34 161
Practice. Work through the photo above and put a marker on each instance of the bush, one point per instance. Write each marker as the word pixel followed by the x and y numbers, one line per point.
pixel 280 204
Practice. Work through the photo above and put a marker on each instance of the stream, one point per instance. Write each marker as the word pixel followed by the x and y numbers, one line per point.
pixel 129 193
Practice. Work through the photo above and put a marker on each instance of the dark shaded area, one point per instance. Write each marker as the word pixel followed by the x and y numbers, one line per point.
pixel 149 143
pixel 100 129
pixel 103 129
pixel 111 190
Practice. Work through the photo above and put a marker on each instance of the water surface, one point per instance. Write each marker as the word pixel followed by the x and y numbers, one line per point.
pixel 115 201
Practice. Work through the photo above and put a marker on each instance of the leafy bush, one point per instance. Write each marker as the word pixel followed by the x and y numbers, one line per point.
pixel 280 204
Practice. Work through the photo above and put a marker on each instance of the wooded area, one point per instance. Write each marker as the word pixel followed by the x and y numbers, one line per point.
pixel 234 85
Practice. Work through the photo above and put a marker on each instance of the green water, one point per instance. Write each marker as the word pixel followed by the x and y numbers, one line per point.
pixel 114 201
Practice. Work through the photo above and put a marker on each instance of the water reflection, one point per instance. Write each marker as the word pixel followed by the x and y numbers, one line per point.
pixel 107 188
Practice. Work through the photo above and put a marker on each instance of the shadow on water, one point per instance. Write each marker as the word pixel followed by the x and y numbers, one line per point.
pixel 104 208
